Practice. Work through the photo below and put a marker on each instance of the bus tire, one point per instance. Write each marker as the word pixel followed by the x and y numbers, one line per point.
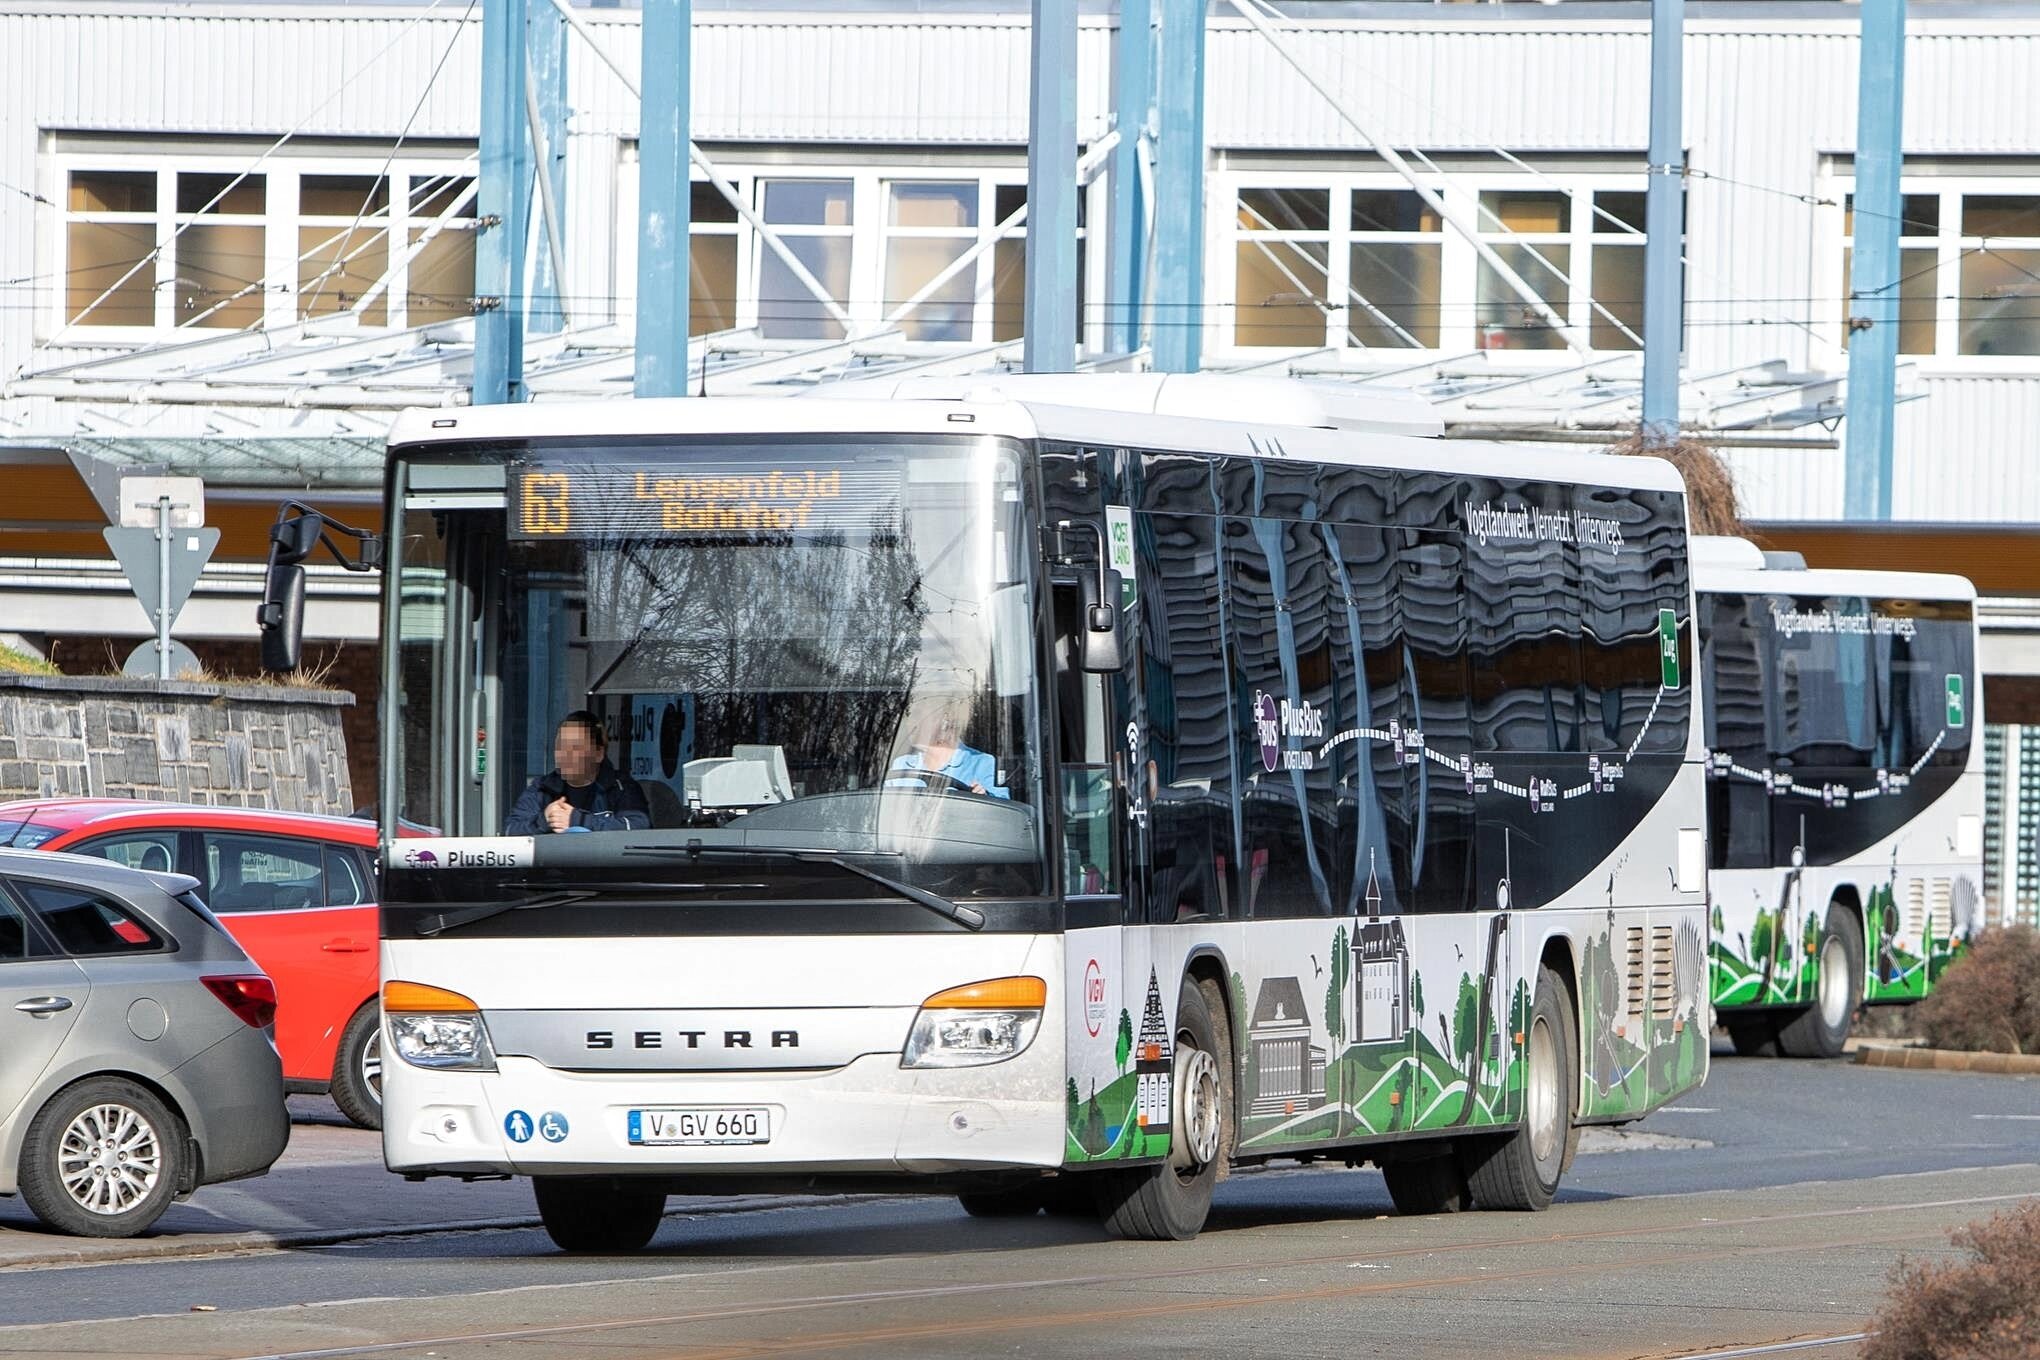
pixel 1754 1036
pixel 594 1214
pixel 1520 1170
pixel 1169 1202
pixel 1821 1029
pixel 1435 1185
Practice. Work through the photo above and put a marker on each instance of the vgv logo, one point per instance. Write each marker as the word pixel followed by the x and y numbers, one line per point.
pixel 1094 998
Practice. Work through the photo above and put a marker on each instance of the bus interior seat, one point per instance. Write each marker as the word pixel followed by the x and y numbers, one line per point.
pixel 663 802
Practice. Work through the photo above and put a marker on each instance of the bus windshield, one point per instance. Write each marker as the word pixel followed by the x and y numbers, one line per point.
pixel 823 646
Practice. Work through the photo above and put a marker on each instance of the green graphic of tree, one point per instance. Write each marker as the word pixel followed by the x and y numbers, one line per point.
pixel 1417 995
pixel 1466 1018
pixel 1073 1100
pixel 1124 1048
pixel 1718 926
pixel 1760 938
pixel 1335 988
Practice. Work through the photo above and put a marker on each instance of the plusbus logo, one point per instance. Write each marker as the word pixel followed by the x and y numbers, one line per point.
pixel 1267 730
pixel 1276 720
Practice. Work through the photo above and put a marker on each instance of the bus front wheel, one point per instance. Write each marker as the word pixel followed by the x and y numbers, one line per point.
pixel 1520 1170
pixel 1169 1202
pixel 591 1214
pixel 1821 1029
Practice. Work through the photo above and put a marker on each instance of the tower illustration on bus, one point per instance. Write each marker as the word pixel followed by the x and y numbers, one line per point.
pixel 1047 791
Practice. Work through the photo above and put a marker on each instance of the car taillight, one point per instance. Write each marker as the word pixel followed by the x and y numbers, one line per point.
pixel 250 996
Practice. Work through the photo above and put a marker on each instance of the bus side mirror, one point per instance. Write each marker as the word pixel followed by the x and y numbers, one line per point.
pixel 282 616
pixel 1100 644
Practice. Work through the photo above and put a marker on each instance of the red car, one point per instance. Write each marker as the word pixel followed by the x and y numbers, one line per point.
pixel 298 892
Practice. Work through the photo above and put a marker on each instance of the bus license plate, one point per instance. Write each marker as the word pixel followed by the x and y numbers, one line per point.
pixel 701 1126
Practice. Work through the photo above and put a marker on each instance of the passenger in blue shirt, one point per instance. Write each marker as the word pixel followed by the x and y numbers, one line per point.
pixel 938 750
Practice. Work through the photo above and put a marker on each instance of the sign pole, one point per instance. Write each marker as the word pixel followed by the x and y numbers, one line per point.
pixel 163 587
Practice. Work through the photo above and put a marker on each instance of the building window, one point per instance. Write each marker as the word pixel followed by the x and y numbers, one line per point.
pixel 929 226
pixel 208 245
pixel 814 217
pixel 1282 272
pixel 1615 285
pixel 1396 262
pixel 110 233
pixel 712 255
pixel 1918 269
pixel 1530 232
pixel 2000 306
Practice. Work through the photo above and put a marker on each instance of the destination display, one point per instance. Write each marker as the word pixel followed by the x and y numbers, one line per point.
pixel 647 499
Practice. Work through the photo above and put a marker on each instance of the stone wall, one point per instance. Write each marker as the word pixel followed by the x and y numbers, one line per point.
pixel 232 745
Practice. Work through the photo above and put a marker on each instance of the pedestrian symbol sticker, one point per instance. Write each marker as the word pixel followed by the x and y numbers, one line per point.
pixel 1668 648
pixel 517 1124
pixel 1955 706
pixel 552 1126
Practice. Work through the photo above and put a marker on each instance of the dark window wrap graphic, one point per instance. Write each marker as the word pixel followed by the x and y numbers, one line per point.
pixel 1832 720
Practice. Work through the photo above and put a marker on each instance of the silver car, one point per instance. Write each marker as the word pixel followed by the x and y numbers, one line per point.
pixel 136 1058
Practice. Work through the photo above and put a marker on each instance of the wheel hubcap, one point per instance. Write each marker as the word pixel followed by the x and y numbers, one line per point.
pixel 1545 1111
pixel 371 1066
pixel 109 1159
pixel 1834 983
pixel 1195 1145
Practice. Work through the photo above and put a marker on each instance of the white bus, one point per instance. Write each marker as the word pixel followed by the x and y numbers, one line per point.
pixel 1047 796
pixel 1845 789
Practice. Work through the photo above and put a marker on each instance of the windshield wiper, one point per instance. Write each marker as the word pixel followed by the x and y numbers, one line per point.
pixel 968 917
pixel 454 920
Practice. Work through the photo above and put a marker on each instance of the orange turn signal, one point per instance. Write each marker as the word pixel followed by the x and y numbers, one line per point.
pixel 414 997
pixel 996 994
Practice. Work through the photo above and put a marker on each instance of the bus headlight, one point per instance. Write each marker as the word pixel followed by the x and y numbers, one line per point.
pixel 984 1022
pixel 433 1027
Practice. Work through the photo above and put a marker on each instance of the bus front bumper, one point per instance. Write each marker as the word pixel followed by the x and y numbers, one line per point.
pixel 867 1118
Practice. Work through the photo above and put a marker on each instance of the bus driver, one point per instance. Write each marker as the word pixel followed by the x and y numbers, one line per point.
pixel 938 750
pixel 584 792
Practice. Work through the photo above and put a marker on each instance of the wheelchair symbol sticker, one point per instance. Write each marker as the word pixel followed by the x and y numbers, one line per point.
pixel 552 1126
pixel 517 1124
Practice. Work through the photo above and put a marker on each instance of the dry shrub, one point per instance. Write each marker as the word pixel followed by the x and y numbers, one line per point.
pixel 1990 997
pixel 1710 486
pixel 13 662
pixel 1986 1307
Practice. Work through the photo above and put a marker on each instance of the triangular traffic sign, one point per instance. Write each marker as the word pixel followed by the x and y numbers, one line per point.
pixel 136 551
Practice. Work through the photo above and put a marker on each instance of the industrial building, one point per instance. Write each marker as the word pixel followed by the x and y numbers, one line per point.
pixel 235 238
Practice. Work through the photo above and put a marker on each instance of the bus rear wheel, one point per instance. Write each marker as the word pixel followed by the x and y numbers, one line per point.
pixel 1520 1170
pixel 1169 1202
pixel 1821 1029
pixel 591 1214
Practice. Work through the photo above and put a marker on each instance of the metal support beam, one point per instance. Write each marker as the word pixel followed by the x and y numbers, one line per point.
pixel 548 34
pixel 505 203
pixel 665 200
pixel 1133 97
pixel 1178 283
pixel 1874 265
pixel 1049 312
pixel 1663 282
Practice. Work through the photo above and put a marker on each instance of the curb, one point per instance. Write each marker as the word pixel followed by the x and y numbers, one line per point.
pixel 229 1244
pixel 1950 1060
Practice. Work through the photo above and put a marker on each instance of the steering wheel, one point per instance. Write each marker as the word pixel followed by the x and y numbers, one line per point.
pixel 949 782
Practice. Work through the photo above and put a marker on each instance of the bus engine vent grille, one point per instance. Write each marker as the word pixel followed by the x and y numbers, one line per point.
pixel 1636 975
pixel 1915 906
pixel 1664 987
pixel 1941 907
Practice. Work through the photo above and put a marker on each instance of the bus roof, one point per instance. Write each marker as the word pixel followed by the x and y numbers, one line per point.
pixel 1136 410
pixel 1722 564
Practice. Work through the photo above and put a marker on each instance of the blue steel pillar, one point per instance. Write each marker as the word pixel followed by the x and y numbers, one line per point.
pixel 1178 283
pixel 1663 272
pixel 1049 312
pixel 1133 99
pixel 548 35
pixel 504 200
pixel 665 201
pixel 1874 265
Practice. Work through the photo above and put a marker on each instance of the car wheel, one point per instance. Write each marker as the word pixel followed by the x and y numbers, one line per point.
pixel 357 1068
pixel 102 1159
pixel 589 1214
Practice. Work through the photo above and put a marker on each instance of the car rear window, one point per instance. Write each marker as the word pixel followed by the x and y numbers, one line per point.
pixel 19 834
pixel 87 923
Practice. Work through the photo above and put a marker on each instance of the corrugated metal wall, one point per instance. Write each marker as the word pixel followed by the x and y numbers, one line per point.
pixel 1766 100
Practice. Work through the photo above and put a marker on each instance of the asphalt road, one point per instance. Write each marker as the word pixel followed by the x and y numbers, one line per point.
pixel 1770 1204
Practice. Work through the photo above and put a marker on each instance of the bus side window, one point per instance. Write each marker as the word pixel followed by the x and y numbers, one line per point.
pixel 1738 809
